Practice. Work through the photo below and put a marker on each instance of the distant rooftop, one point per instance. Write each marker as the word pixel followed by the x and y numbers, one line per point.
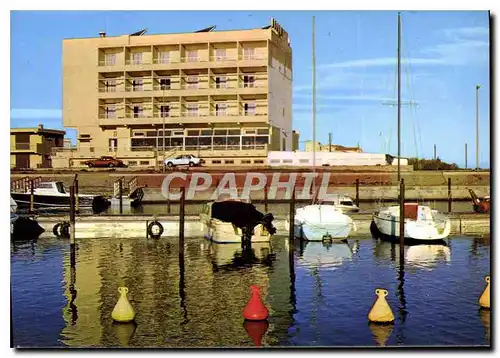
pixel 39 129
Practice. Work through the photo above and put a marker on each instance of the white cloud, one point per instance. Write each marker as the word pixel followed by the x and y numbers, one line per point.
pixel 32 113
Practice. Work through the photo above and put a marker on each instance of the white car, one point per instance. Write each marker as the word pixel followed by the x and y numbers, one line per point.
pixel 186 159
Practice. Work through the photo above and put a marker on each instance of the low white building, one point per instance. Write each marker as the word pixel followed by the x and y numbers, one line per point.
pixel 304 159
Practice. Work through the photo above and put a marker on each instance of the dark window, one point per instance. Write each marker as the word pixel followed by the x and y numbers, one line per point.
pixel 248 81
pixel 233 132
pixel 193 133
pixel 165 111
pixel 220 131
pixel 206 132
pixel 137 111
pixel 165 83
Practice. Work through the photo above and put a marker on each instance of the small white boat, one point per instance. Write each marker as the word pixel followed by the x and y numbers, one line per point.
pixel 320 222
pixel 222 222
pixel 421 223
pixel 343 202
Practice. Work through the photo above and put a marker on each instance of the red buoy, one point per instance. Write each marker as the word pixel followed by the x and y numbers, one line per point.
pixel 255 310
pixel 256 330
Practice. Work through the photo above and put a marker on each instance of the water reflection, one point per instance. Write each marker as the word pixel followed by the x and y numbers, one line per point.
pixel 381 332
pixel 124 332
pixel 325 255
pixel 230 256
pixel 485 317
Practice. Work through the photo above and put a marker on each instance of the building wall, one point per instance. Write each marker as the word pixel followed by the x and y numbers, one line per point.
pixel 35 143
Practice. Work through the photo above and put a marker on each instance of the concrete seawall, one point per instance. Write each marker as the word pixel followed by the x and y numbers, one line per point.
pixel 125 226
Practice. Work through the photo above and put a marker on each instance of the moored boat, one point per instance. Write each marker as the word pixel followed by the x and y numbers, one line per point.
pixel 226 221
pixel 421 223
pixel 319 222
pixel 52 194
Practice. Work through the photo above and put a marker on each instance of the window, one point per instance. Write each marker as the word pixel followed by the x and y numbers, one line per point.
pixel 178 133
pixel 136 58
pixel 283 112
pixel 110 111
pixel 233 132
pixel 139 134
pixel 220 54
pixel 164 57
pixel 258 162
pixel 274 161
pixel 216 162
pixel 263 131
pixel 220 82
pixel 138 111
pixel 137 84
pixel 206 132
pixel 193 132
pixel 131 163
pixel 229 162
pixel 110 85
pixel 220 109
pixel 165 83
pixel 248 53
pixel 112 144
pixel 192 109
pixel 248 81
pixel 287 161
pixel 110 59
pixel 250 109
pixel 250 131
pixel 192 82
pixel 246 161
pixel 144 162
pixel 303 161
pixel 192 56
pixel 165 111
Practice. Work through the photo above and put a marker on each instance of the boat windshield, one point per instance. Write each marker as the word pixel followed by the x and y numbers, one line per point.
pixel 60 187
pixel 347 203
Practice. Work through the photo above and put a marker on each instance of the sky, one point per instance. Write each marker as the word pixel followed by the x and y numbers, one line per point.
pixel 445 54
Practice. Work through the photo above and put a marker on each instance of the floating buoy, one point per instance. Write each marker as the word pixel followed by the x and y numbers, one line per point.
pixel 484 300
pixel 124 331
pixel 123 311
pixel 255 310
pixel 381 311
pixel 381 332
pixel 256 330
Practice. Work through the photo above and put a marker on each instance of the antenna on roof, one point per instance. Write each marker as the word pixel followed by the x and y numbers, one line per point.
pixel 208 29
pixel 139 33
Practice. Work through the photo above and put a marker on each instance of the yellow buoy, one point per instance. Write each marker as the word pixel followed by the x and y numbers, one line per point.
pixel 484 300
pixel 381 312
pixel 123 311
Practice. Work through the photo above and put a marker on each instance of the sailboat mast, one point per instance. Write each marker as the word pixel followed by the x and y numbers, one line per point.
pixel 399 96
pixel 314 95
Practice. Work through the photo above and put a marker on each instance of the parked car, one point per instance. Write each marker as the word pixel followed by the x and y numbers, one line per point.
pixel 104 162
pixel 186 159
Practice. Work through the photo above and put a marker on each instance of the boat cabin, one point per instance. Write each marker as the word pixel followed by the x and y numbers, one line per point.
pixel 49 188
pixel 417 212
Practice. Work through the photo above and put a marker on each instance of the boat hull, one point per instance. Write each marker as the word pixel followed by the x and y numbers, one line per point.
pixel 322 222
pixel 387 227
pixel 98 203
pixel 226 233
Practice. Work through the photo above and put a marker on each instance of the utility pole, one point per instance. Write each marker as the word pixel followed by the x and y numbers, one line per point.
pixel 329 142
pixel 399 97
pixel 477 126
pixel 435 152
pixel 465 155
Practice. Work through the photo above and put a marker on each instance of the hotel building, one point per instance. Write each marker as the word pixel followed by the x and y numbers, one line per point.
pixel 223 96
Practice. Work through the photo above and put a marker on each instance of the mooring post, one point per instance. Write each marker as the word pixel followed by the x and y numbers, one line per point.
pixel 449 195
pixel 168 203
pixel 75 183
pixel 181 221
pixel 357 192
pixel 265 198
pixel 32 196
pixel 120 194
pixel 401 221
pixel 292 219
pixel 72 215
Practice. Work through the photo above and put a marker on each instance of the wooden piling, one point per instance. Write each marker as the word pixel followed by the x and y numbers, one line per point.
pixel 449 195
pixel 357 192
pixel 401 221
pixel 72 214
pixel 32 196
pixel 292 218
pixel 77 201
pixel 265 198
pixel 120 194
pixel 181 219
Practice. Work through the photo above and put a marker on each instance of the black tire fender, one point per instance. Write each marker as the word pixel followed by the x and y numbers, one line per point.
pixel 150 229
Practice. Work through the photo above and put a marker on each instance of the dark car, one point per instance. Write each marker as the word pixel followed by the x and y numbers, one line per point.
pixel 104 162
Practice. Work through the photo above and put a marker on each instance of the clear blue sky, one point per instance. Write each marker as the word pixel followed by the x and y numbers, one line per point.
pixel 445 54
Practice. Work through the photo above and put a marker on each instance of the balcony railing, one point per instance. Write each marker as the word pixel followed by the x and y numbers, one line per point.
pixel 22 146
pixel 253 57
pixel 138 62
pixel 223 58
pixel 108 63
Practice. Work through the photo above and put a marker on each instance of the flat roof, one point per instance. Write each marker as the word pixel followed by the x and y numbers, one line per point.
pixel 40 130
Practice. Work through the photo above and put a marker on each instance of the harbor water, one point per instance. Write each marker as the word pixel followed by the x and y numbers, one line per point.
pixel 318 295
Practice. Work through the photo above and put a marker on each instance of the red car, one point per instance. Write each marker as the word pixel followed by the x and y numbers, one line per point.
pixel 104 162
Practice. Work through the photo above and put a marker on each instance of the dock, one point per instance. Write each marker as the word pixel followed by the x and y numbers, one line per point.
pixel 135 226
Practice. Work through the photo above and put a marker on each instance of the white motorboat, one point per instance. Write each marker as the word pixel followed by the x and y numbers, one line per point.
pixel 325 255
pixel 343 202
pixel 52 194
pixel 223 222
pixel 421 223
pixel 320 222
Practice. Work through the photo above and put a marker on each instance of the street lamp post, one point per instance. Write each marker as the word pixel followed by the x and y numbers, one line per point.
pixel 477 126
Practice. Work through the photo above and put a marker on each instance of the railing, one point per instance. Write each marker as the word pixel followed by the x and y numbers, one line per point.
pixel 223 58
pixel 24 184
pixel 165 61
pixel 138 62
pixel 22 146
pixel 253 57
pixel 108 63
